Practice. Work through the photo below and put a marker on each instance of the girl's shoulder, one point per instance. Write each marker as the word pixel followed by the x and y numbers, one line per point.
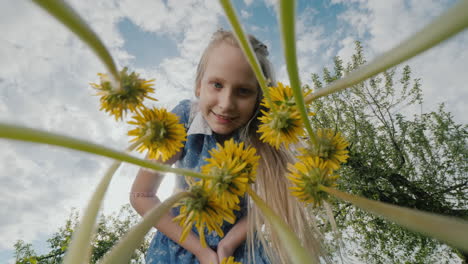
pixel 182 110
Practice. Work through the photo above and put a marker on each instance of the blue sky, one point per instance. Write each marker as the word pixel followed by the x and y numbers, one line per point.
pixel 45 72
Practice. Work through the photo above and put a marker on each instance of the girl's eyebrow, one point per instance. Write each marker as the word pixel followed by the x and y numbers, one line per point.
pixel 220 79
pixel 217 79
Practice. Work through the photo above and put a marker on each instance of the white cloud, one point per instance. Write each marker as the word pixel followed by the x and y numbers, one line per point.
pixel 245 14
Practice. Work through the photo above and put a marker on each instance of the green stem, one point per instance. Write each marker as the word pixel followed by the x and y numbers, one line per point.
pixel 34 135
pixel 124 249
pixel 81 240
pixel 288 35
pixel 67 16
pixel 297 254
pixel 450 23
pixel 448 229
pixel 246 47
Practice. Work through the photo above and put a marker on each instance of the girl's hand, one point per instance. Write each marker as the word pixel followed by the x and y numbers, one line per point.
pixel 208 256
pixel 225 250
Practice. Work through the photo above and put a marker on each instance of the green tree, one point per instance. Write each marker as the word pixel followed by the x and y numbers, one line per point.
pixel 418 162
pixel 109 230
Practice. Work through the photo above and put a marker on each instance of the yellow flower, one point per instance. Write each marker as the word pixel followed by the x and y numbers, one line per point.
pixel 282 123
pixel 229 260
pixel 234 168
pixel 306 176
pixel 281 95
pixel 203 211
pixel 129 96
pixel 331 147
pixel 281 126
pixel 167 133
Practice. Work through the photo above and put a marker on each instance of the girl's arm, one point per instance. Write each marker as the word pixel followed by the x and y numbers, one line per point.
pixel 143 198
pixel 233 239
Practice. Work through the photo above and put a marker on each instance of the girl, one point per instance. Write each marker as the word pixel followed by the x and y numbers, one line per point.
pixel 228 106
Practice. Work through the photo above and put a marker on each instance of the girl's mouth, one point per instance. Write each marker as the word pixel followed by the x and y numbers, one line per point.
pixel 222 119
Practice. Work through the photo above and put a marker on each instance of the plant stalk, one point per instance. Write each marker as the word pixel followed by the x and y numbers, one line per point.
pixel 451 230
pixel 297 254
pixel 21 133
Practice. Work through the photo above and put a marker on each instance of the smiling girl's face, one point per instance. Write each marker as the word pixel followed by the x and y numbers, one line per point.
pixel 228 90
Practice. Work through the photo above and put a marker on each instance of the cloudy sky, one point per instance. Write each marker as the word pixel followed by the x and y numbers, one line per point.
pixel 45 73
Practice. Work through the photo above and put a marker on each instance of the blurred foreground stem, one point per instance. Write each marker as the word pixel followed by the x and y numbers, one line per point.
pixel 70 18
pixel 34 135
pixel 297 254
pixel 83 235
pixel 122 252
pixel 451 230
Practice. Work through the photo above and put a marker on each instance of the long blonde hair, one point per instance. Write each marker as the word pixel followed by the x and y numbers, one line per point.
pixel 271 184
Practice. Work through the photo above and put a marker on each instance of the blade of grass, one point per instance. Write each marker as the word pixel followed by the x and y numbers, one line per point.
pixel 82 237
pixel 288 36
pixel 68 17
pixel 451 230
pixel 124 249
pixel 21 133
pixel 450 23
pixel 246 47
pixel 297 254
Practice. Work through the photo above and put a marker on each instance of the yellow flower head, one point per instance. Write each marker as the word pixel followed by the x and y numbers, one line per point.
pixel 281 126
pixel 281 95
pixel 331 147
pixel 282 123
pixel 167 133
pixel 229 260
pixel 201 210
pixel 306 176
pixel 234 168
pixel 129 96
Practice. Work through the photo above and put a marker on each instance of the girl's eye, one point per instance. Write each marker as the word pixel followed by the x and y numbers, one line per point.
pixel 245 91
pixel 217 85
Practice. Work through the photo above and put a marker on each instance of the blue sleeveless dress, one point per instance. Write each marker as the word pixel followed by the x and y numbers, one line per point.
pixel 200 140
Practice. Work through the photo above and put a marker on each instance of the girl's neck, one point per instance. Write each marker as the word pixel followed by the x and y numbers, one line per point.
pixel 221 138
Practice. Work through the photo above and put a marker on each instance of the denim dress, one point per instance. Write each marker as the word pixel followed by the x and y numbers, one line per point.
pixel 200 139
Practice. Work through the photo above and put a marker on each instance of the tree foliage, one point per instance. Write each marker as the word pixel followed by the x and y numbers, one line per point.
pixel 109 230
pixel 417 162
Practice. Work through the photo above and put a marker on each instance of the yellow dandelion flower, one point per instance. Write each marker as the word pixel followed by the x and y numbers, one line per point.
pixel 234 168
pixel 229 260
pixel 167 133
pixel 283 126
pixel 283 123
pixel 201 210
pixel 331 147
pixel 128 97
pixel 306 176
pixel 282 95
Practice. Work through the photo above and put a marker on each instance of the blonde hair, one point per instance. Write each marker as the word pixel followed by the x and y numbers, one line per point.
pixel 271 184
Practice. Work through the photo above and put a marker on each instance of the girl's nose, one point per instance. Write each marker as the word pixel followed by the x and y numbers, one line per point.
pixel 225 100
